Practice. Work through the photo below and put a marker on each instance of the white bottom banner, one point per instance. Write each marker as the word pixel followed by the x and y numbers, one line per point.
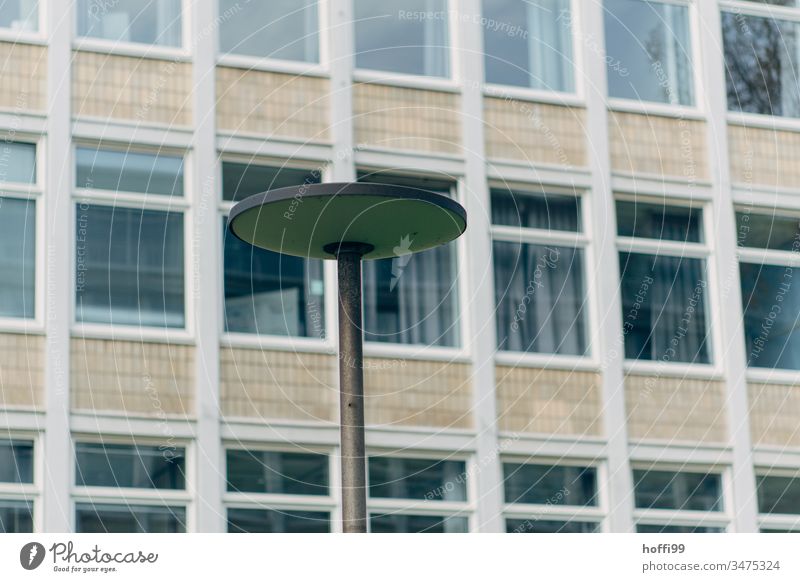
pixel 399 557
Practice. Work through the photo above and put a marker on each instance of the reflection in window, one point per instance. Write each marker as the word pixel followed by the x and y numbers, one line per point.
pixel 648 51
pixel 242 180
pixel 157 22
pixel 550 484
pixel 403 523
pixel 277 472
pixel 778 494
pixel 659 221
pixel 17 163
pixel 16 461
pixel 278 29
pixel 761 64
pixel 142 467
pixel 403 36
pixel 112 518
pixel 530 45
pixel 677 490
pixel 129 266
pixel 126 171
pixel 16 516
pixel 768 231
pixel 422 479
pixel 242 520
pixel 649 528
pixel 20 15
pixel 535 525
pixel 17 257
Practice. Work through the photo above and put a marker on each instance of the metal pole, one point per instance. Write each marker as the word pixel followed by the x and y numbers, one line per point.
pixel 351 389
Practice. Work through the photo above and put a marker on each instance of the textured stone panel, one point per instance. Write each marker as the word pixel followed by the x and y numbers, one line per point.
pixel 764 157
pixel 21 370
pixel 23 77
pixel 774 414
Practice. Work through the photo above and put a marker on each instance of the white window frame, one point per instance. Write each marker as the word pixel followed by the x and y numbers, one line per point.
pixel 690 250
pixel 133 496
pixel 31 193
pixel 265 341
pixel 547 512
pixel 785 521
pixel 681 517
pixel 280 501
pixel 696 109
pixel 451 83
pixel 320 69
pixel 177 204
pixel 427 507
pixel 581 240
pixel 577 97
pixel 30 492
pixel 137 49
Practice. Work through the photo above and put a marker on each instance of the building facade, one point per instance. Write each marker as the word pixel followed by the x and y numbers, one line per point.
pixel 610 347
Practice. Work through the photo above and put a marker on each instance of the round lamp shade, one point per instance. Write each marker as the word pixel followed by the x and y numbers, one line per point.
pixel 312 220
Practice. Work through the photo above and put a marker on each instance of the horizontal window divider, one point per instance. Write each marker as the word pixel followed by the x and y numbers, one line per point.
pixel 546 361
pixel 23 191
pixel 668 248
pixel 131 49
pixel 12 491
pixel 269 65
pixel 648 108
pixel 678 518
pixel 660 368
pixel 552 511
pixel 533 96
pixel 771 471
pixel 779 520
pixel 140 136
pixel 106 426
pixel 441 84
pixel 276 447
pixel 234 498
pixel 267 145
pixel 99 495
pixel 773 376
pixel 763 121
pixel 420 507
pixel 23 37
pixel 22 326
pixel 539 236
pixel 760 197
pixel 644 187
pixel 277 343
pixel 415 352
pixel 121 332
pixel 132 200
pixel 760 9
pixel 769 257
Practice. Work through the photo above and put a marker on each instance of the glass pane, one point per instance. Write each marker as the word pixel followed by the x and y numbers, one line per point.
pixel 17 161
pixel 648 528
pixel 277 521
pixel 107 518
pixel 121 171
pixel 763 231
pixel 528 44
pixel 18 257
pixel 771 304
pixel 400 523
pixel 277 472
pixel 16 461
pixel 106 465
pixel 156 22
pixel 242 180
pixel 278 29
pixel 778 494
pixel 549 526
pixel 272 294
pixel 16 516
pixel 403 36
pixel 670 490
pixel 540 297
pixel 648 51
pixel 761 64
pixel 543 211
pixel 129 266
pixel 550 485
pixel 20 15
pixel 422 479
pixel 664 311
pixel 443 185
pixel 659 221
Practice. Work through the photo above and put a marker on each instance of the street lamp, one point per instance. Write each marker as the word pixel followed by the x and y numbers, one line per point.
pixel 348 222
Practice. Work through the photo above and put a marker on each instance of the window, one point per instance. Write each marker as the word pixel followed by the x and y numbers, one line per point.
pixel 779 501
pixel 530 44
pixel 542 498
pixel 663 287
pixel 265 292
pixel 278 491
pixel 16 478
pixel 20 15
pixel 412 299
pixel 279 29
pixel 769 266
pixel 157 22
pixel 17 163
pixel 118 472
pixel 106 518
pixel 437 487
pixel 761 60
pixel 129 267
pixel 649 51
pixel 403 36
pixel 539 275
pixel 684 502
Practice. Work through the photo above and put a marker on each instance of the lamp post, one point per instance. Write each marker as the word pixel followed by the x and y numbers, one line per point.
pixel 348 222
